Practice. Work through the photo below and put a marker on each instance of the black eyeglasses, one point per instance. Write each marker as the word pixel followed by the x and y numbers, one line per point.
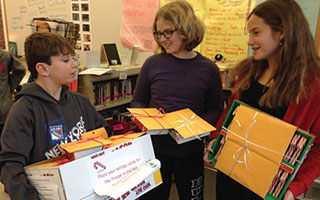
pixel 167 34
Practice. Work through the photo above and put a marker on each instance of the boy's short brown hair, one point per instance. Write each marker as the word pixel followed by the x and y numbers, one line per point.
pixel 41 46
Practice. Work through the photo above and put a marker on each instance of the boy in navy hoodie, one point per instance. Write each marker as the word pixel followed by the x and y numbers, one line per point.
pixel 45 114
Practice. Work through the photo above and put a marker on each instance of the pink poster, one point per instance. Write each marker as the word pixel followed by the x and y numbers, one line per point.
pixel 137 20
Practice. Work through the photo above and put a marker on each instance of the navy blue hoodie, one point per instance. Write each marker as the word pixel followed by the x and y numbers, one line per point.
pixel 37 123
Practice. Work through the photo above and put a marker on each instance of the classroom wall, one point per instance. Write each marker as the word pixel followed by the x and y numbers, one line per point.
pixel 310 9
pixel 21 12
pixel 106 25
pixel 105 22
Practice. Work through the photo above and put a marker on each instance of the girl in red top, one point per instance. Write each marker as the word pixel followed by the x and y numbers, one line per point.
pixel 282 78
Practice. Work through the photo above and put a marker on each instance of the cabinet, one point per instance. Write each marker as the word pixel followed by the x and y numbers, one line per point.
pixel 109 90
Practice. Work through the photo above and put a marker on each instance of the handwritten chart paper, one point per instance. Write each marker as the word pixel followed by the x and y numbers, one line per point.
pixel 226 29
pixel 137 20
pixel 225 22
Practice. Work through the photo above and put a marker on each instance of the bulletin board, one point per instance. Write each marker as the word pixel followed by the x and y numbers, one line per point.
pixel 21 12
pixel 310 9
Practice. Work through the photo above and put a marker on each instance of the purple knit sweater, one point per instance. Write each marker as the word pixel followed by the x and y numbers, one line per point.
pixel 173 84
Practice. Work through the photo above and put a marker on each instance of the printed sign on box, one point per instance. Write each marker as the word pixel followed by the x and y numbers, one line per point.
pixel 85 177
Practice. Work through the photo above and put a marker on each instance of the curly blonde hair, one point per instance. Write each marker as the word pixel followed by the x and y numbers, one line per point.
pixel 181 16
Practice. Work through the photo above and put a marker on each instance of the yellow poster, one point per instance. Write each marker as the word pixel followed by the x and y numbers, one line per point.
pixel 226 31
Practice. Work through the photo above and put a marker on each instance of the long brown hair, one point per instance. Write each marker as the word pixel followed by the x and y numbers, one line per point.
pixel 297 62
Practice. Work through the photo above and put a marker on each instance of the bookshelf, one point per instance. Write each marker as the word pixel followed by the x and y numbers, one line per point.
pixel 97 88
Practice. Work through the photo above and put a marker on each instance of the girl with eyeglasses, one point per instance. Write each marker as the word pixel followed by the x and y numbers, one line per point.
pixel 174 79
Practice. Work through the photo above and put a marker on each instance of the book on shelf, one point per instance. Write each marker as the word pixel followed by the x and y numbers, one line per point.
pixel 111 90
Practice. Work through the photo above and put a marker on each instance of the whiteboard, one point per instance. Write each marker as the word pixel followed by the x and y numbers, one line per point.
pixel 310 9
pixel 21 12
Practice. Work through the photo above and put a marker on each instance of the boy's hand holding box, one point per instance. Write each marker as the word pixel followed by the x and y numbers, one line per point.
pixel 183 125
pixel 252 148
